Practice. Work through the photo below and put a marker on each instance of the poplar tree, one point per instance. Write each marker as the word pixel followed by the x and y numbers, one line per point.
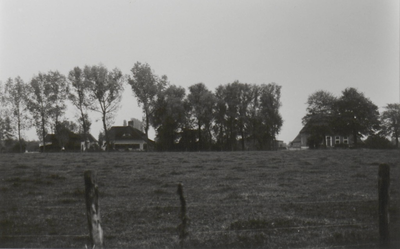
pixel 106 89
pixel 79 96
pixel 16 101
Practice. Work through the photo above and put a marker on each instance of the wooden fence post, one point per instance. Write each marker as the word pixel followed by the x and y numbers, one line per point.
pixel 93 209
pixel 383 188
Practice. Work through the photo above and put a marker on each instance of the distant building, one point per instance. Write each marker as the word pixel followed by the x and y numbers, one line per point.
pixel 128 137
pixel 135 123
pixel 279 144
pixel 301 141
pixel 69 142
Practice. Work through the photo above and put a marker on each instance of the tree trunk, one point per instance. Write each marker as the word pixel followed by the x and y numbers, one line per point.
pixel 43 135
pixel 242 134
pixel 105 132
pixel 147 130
pixel 355 138
pixel 199 134
pixel 19 134
pixel 84 124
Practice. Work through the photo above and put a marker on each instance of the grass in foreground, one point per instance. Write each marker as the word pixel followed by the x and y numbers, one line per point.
pixel 285 199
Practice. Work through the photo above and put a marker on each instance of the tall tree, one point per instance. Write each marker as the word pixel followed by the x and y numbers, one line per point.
pixel 232 101
pixel 254 117
pixel 318 119
pixel 220 124
pixel 355 114
pixel 169 116
pixel 2 115
pixel 390 120
pixel 106 89
pixel 59 94
pixel 201 102
pixel 271 119
pixel 40 104
pixel 79 96
pixel 16 98
pixel 146 85
pixel 66 130
pixel 246 97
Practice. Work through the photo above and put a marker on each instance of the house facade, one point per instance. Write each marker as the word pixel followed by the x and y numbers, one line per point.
pixel 331 140
pixel 127 138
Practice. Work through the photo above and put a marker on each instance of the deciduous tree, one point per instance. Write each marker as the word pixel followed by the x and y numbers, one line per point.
pixel 270 116
pixel 355 114
pixel 390 120
pixel 106 89
pixel 16 101
pixel 79 96
pixel 146 85
pixel 59 93
pixel 319 116
pixel 169 116
pixel 40 103
pixel 201 102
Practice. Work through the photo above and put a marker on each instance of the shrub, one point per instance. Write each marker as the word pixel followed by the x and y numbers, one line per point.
pixel 378 142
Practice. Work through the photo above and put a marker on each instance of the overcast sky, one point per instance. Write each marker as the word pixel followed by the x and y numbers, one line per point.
pixel 302 45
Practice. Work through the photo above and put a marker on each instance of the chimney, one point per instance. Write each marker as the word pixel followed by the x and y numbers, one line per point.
pixel 124 122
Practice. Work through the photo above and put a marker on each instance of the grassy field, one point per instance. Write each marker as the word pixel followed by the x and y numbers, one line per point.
pixel 283 199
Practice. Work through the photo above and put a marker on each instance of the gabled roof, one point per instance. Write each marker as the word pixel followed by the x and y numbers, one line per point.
pixel 126 133
pixel 80 137
pixel 89 137
pixel 315 122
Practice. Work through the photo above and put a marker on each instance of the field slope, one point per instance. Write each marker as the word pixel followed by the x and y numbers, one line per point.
pixel 284 199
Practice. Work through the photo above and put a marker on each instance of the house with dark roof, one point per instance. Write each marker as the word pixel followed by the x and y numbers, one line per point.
pixel 127 138
pixel 305 140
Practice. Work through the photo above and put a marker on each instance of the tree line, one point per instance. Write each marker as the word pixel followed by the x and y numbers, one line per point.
pixel 351 114
pixel 236 116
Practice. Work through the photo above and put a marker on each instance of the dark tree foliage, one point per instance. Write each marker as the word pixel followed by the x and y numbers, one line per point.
pixel 79 96
pixel 220 113
pixel 318 119
pixel 105 93
pixel 378 142
pixel 248 114
pixel 146 87
pixel 355 114
pixel 390 122
pixel 15 99
pixel 201 103
pixel 66 130
pixel 45 101
pixel 271 119
pixel 169 117
pixel 59 89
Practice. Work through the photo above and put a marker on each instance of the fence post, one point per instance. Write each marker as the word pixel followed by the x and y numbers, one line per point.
pixel 383 189
pixel 93 209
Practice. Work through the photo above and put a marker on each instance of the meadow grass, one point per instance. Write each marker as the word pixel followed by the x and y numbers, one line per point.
pixel 279 199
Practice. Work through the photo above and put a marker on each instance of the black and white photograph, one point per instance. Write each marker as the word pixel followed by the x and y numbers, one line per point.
pixel 198 124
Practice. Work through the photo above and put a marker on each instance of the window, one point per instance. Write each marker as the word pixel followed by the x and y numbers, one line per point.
pixel 345 140
pixel 328 141
pixel 337 140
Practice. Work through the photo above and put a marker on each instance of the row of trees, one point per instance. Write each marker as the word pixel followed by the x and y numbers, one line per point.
pixel 43 101
pixel 350 114
pixel 235 116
